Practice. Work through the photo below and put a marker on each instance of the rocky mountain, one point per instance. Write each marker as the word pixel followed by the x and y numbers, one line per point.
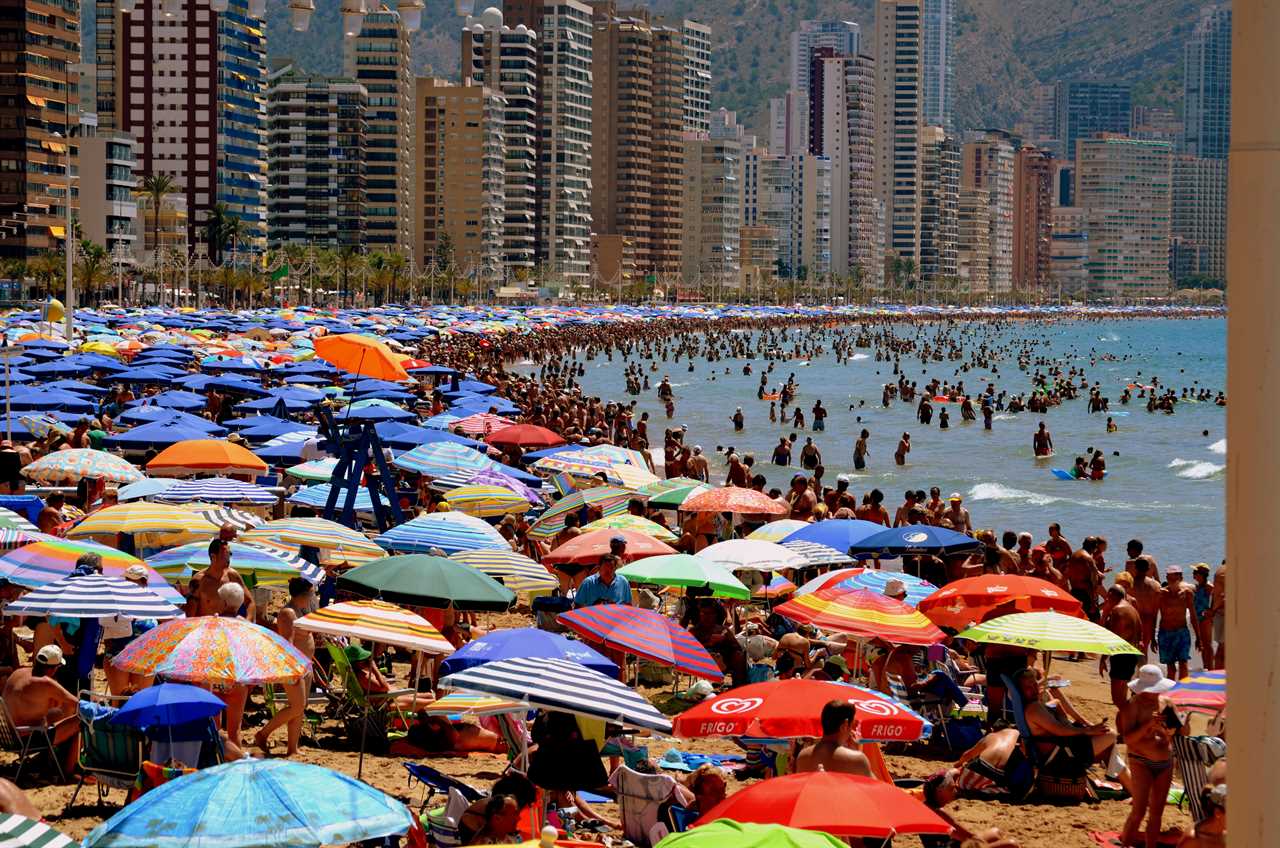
pixel 1003 47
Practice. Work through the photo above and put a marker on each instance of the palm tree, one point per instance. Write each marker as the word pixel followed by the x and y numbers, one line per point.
pixel 345 262
pixel 47 269
pixel 93 268
pixel 395 265
pixel 155 187
pixel 217 231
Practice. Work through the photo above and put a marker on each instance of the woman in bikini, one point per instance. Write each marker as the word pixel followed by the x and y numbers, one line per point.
pixel 1148 723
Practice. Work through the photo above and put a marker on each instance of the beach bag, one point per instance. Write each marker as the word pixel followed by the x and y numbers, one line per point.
pixel 962 733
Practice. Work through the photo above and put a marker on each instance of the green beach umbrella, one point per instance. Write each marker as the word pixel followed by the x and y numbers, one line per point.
pixel 685 570
pixel 725 832
pixel 427 581
pixel 674 496
pixel 1049 631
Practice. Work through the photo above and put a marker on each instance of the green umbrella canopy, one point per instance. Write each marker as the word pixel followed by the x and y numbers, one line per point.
pixel 685 570
pixel 427 581
pixel 724 832
pixel 673 498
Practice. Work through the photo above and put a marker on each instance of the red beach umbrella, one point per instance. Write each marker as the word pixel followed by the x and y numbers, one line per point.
pixel 974 599
pixel 734 499
pixel 525 436
pixel 589 547
pixel 646 634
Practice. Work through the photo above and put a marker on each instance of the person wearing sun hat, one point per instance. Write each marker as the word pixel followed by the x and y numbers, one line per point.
pixel 1148 723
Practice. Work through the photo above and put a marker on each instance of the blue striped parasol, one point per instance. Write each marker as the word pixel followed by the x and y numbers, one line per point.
pixel 449 532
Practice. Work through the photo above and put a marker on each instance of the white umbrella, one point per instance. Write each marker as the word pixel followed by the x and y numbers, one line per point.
pixel 752 555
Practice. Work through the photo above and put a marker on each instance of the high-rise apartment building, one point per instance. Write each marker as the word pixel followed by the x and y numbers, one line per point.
pixel 315 160
pixel 189 84
pixel 988 165
pixel 696 40
pixel 938 63
pixel 41 46
pixel 378 58
pixel 842 92
pixel 637 128
pixel 900 111
pixel 789 124
pixel 505 58
pixel 973 234
pixel 758 257
pixel 1156 123
pixel 459 184
pixel 939 209
pixel 791 195
pixel 712 211
pixel 1206 85
pixel 1124 187
pixel 841 38
pixel 1069 254
pixel 1084 108
pixel 1032 218
pixel 108 208
pixel 1199 212
pixel 563 211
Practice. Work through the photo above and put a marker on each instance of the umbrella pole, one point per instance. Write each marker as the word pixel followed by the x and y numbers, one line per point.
pixel 364 729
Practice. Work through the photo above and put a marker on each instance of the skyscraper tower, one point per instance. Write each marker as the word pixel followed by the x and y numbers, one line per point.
pixel 899 114
pixel 842 38
pixel 939 62
pixel 1207 86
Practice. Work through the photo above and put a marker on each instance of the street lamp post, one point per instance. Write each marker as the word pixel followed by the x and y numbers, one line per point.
pixel 70 297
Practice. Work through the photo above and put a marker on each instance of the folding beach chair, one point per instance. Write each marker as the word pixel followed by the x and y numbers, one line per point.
pixel 111 753
pixel 1047 782
pixel 1194 754
pixel 434 781
pixel 27 741
pixel 640 801
pixel 928 706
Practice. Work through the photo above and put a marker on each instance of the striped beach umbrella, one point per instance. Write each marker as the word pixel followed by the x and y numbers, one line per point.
pixel 776 531
pixel 449 532
pixel 871 579
pixel 864 614
pixel 315 470
pixel 487 477
pixel 645 633
pixel 309 532
pixel 376 621
pixel 481 424
pixel 10 539
pixel 555 684
pixel 630 476
pixel 816 554
pixel 516 571
pixel 634 523
pixel 267 566
pixel 44 562
pixel 779 587
pixel 213 650
pixel 218 490
pixel 486 501
pixel 318 496
pixel 221 515
pixel 79 463
pixel 21 832
pixel 465 703
pixel 610 500
pixel 93 596
pixel 10 520
pixel 142 517
pixel 685 570
pixel 436 459
pixel 573 462
pixel 1202 692
pixel 1049 631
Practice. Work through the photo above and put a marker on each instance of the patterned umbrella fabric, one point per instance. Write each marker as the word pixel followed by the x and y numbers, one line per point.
pixel 556 684
pixel 634 523
pixel 1203 692
pixel 589 547
pixel 862 613
pixel 871 579
pixel 142 517
pixel 333 539
pixel 437 459
pixel 272 803
pixel 464 703
pixel 974 599
pixel 515 571
pixel 213 650
pixel 10 539
pixel 268 567
pixel 610 500
pixel 449 532
pixel 776 531
pixel 572 462
pixel 10 520
pixel 21 832
pixel 646 634
pixel 376 621
pixel 317 470
pixel 1049 631
pixel 778 587
pixel 751 555
pixel 486 501
pixel 78 463
pixel 481 424
pixel 734 499
pixel 237 518
pixel 816 554
pixel 686 570
pixel 218 490
pixel 43 562
pixel 487 477
pixel 93 596
pixel 205 456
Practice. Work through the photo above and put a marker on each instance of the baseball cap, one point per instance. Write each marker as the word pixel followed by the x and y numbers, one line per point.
pixel 618 538
pixel 1150 679
pixel 1173 569
pixel 50 655
pixel 954 496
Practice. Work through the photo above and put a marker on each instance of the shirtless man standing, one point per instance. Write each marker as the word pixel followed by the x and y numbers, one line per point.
pixel 1146 597
pixel 697 466
pixel 1148 723
pixel 33 699
pixel 1057 546
pixel 1134 551
pixel 1083 582
pixel 1123 620
pixel 202 599
pixel 302 600
pixel 1177 602
pixel 1042 442
pixel 833 751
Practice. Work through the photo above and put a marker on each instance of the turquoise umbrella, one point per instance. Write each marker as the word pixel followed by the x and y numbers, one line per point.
pixel 254 804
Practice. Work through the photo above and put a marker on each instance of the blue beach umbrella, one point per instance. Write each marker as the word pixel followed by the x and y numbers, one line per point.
pixel 839 533
pixel 145 488
pixel 167 704
pixel 318 496
pixel 172 399
pixel 157 433
pixel 450 532
pixel 254 804
pixel 526 642
pixel 916 539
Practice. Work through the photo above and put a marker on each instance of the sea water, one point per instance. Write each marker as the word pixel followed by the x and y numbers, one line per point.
pixel 1165 486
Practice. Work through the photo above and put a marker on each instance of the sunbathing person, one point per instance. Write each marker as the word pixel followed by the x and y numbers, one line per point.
pixel 373 683
pixel 438 735
pixel 1055 724
pixel 35 699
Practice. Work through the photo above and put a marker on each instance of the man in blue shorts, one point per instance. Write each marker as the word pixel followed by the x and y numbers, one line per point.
pixel 1177 606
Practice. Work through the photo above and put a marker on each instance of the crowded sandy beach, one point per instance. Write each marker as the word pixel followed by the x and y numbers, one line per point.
pixel 478 575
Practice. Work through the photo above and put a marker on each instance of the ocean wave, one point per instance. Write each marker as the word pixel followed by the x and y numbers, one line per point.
pixel 1192 469
pixel 1001 492
pixel 859 356
pixel 1003 416
pixel 1219 446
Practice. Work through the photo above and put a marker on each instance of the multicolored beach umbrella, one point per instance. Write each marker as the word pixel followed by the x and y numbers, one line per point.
pixel 486 501
pixel 610 500
pixel 437 459
pixel 376 621
pixel 268 567
pixel 646 634
pixel 449 532
pixel 328 536
pixel 44 562
pixel 1202 692
pixel 214 650
pixel 317 470
pixel 871 579
pixel 634 523
pixel 862 613
pixel 516 571
pixel 79 463
pixel 1049 631
pixel 142 517
pixel 776 531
